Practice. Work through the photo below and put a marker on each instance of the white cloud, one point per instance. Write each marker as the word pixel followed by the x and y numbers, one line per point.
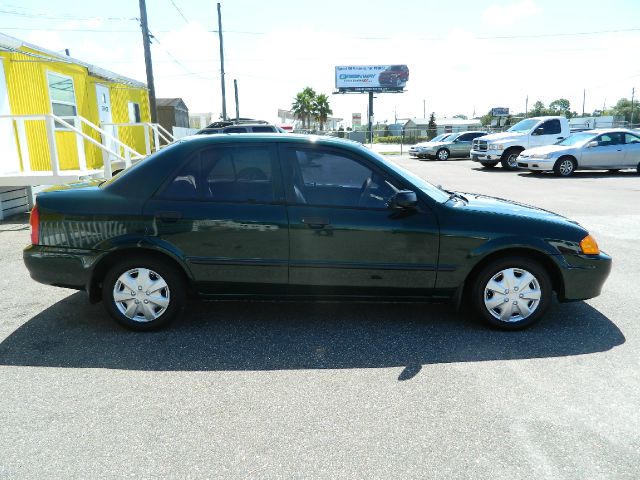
pixel 509 14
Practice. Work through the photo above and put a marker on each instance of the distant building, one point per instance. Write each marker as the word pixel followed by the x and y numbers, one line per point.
pixel 418 127
pixel 199 120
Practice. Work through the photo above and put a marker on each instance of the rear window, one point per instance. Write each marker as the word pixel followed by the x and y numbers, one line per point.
pixel 264 129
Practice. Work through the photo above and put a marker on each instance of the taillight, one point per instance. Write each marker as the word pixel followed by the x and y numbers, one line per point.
pixel 34 222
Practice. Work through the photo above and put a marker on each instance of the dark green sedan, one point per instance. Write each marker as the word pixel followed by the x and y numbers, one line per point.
pixel 273 216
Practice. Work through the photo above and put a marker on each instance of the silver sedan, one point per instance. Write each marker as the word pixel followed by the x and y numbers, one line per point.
pixel 602 149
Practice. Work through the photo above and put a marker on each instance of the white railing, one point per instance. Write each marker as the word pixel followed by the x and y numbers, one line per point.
pixel 73 124
pixel 155 129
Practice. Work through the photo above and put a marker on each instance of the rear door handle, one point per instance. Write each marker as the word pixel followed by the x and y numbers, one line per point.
pixel 315 222
pixel 168 217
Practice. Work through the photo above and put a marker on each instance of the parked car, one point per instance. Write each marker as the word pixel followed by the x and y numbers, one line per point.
pixel 457 145
pixel 247 126
pixel 270 215
pixel 601 149
pixel 505 147
pixel 394 76
pixel 418 149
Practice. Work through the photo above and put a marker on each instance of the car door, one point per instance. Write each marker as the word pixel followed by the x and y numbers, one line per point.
pixel 223 212
pixel 631 150
pixel 460 144
pixel 343 236
pixel 608 152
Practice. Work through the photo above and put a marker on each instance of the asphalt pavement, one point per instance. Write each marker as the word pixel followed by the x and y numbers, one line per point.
pixel 327 390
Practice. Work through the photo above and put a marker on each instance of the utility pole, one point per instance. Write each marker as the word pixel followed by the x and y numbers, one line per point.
pixel 371 116
pixel 224 96
pixel 235 87
pixel 526 107
pixel 147 60
pixel 424 109
pixel 584 98
pixel 633 92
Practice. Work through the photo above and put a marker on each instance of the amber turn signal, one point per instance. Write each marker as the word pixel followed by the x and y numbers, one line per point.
pixel 589 246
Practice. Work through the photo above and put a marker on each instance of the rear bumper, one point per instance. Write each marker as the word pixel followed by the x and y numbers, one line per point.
pixel 69 268
pixel 583 275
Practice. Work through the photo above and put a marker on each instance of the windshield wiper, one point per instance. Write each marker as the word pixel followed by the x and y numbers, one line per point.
pixel 456 195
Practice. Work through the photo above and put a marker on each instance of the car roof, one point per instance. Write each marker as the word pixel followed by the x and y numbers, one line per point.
pixel 596 131
pixel 270 137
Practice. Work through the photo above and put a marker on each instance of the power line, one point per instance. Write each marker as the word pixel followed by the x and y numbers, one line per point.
pixel 179 11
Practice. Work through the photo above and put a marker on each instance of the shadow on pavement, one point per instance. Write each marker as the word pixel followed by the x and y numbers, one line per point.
pixel 282 336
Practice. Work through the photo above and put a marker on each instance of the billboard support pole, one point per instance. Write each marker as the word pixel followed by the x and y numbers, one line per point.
pixel 371 116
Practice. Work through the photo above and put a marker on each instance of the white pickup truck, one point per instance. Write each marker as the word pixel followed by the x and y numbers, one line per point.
pixel 505 147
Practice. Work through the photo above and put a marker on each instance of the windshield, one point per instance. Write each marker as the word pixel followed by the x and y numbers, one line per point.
pixel 434 192
pixel 524 125
pixel 440 137
pixel 576 139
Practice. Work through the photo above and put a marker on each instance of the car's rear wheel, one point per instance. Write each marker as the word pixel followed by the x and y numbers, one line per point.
pixel 442 154
pixel 489 164
pixel 511 293
pixel 143 293
pixel 509 159
pixel 564 166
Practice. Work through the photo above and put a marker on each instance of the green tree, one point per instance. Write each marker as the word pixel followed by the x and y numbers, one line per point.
pixel 432 127
pixel 303 106
pixel 538 109
pixel 623 109
pixel 485 120
pixel 561 106
pixel 461 116
pixel 321 109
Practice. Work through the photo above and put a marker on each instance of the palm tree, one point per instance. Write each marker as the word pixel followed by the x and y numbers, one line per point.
pixel 322 109
pixel 304 105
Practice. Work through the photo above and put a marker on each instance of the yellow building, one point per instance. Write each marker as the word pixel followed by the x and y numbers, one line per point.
pixel 62 119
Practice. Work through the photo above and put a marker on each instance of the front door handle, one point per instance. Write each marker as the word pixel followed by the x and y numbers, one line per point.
pixel 315 222
pixel 559 138
pixel 168 217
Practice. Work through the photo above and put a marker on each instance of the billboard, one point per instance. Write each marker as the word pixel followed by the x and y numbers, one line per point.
pixel 371 78
pixel 499 112
pixel 356 120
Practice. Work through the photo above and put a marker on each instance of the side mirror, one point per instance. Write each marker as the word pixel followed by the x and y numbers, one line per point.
pixel 404 199
pixel 592 144
pixel 539 131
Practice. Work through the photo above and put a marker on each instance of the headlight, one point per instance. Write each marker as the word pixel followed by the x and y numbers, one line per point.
pixel 541 155
pixel 589 246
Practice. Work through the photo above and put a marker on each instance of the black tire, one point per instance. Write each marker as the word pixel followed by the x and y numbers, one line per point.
pixel 489 164
pixel 564 166
pixel 174 294
pixel 509 159
pixel 638 169
pixel 442 154
pixel 479 293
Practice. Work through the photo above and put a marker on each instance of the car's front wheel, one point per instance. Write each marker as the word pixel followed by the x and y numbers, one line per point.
pixel 143 293
pixel 564 166
pixel 511 293
pixel 442 154
pixel 509 159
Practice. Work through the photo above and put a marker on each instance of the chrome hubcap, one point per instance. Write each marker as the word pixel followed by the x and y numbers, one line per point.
pixel 566 167
pixel 512 295
pixel 443 155
pixel 512 161
pixel 141 295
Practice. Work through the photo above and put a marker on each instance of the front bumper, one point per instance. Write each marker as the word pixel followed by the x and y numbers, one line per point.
pixel 583 275
pixel 486 155
pixel 539 164
pixel 60 267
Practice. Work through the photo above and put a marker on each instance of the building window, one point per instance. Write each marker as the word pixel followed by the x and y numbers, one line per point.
pixel 62 95
pixel 134 112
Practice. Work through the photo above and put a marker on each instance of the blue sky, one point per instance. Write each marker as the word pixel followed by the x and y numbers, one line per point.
pixel 457 61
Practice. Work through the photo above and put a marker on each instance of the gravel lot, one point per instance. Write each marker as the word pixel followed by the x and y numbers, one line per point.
pixel 281 390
